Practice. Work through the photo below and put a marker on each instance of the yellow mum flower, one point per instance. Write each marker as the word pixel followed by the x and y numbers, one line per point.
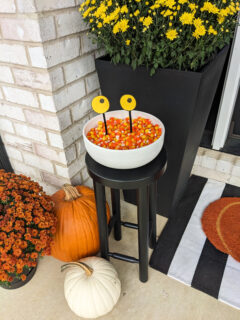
pixel 197 22
pixel 99 25
pixel 166 13
pixel 209 7
pixel 170 3
pixel 124 9
pixel 171 34
pixel 136 13
pixel 87 12
pixel 147 21
pixel 182 1
pixel 187 18
pixel 100 11
pixel 137 0
pixel 141 19
pixel 109 4
pixel 211 30
pixel 128 42
pixel 199 32
pixel 121 26
pixel 192 6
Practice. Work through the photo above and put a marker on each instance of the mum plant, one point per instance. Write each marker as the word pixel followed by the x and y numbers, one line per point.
pixel 27 225
pixel 177 34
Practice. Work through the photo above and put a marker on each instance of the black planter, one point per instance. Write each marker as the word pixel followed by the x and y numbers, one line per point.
pixel 17 283
pixel 181 99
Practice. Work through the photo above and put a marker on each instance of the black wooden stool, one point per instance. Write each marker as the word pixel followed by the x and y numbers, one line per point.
pixel 144 180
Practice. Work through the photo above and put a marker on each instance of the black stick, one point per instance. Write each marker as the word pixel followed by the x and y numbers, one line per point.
pixel 105 122
pixel 130 120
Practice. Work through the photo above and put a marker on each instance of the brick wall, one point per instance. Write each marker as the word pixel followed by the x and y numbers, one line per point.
pixel 47 81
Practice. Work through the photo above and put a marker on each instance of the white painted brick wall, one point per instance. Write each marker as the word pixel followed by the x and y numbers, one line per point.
pixel 38 162
pixel 57 78
pixel 20 167
pixel 82 108
pixel 20 96
pixel 20 29
pixel 7 6
pixel 32 133
pixel 10 111
pixel 69 94
pixel 79 68
pixel 87 44
pixel 64 118
pixel 69 23
pixel 37 57
pixel 49 153
pixel 53 179
pixel 73 133
pixel 25 6
pixel 13 53
pixel 32 79
pixel 5 74
pixel 18 142
pixel 14 153
pixel 92 82
pixel 61 51
pixel 47 102
pixel 47 28
pixel 42 120
pixel 55 140
pixel 45 5
pixel 6 125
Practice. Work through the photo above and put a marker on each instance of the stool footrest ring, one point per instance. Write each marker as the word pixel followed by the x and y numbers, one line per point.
pixel 123 257
pixel 129 225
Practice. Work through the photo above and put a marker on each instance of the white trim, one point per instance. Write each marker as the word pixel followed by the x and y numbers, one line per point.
pixel 229 95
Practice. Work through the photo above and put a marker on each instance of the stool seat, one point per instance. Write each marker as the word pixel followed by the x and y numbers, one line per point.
pixel 144 181
pixel 127 178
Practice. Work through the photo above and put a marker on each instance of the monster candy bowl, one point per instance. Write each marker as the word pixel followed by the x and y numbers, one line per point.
pixel 120 149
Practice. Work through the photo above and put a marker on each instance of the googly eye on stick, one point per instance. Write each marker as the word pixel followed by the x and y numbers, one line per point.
pixel 100 104
pixel 128 102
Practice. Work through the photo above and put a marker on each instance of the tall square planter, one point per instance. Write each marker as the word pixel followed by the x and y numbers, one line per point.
pixel 181 99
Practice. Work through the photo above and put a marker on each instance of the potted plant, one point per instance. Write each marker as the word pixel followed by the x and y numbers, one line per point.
pixel 169 54
pixel 27 225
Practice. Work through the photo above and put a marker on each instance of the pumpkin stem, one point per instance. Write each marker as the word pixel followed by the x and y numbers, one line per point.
pixel 71 192
pixel 88 270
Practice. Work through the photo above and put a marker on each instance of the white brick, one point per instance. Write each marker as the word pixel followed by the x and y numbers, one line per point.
pixel 77 179
pixel 61 51
pixel 32 79
pixel 70 154
pixel 20 29
pixel 14 153
pixel 47 102
pixel 76 166
pixel 80 147
pixel 13 53
pixel 30 132
pixel 84 174
pixel 54 180
pixel 26 6
pixel 48 153
pixel 6 125
pixel 45 5
pixel 87 44
pixel 73 133
pixel 27 170
pixel 11 112
pixel 5 74
pixel 100 52
pixel 37 57
pixel 1 95
pixel 62 171
pixel 47 28
pixel 36 161
pixel 55 140
pixel 89 183
pixel 69 95
pixel 92 82
pixel 82 108
pixel 64 119
pixel 42 120
pixel 20 96
pixel 69 23
pixel 79 68
pixel 18 142
pixel 7 6
pixel 49 189
pixel 57 78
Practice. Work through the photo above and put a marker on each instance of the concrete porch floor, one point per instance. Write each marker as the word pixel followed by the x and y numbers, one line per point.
pixel 160 298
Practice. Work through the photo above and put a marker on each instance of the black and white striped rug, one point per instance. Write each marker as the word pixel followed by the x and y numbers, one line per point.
pixel 184 253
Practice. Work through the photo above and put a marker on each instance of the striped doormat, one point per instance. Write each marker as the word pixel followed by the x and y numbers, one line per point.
pixel 184 253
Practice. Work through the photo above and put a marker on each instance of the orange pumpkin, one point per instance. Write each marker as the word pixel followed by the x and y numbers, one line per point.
pixel 77 233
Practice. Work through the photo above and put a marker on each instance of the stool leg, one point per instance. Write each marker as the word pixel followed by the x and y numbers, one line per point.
pixel 115 195
pixel 143 232
pixel 152 214
pixel 102 218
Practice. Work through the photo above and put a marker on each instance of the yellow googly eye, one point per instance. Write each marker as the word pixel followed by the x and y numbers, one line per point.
pixel 100 104
pixel 128 102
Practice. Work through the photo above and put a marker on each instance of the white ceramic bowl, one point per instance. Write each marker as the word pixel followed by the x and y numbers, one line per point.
pixel 123 159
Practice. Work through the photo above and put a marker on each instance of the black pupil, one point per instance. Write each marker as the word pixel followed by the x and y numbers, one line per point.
pixel 102 100
pixel 129 100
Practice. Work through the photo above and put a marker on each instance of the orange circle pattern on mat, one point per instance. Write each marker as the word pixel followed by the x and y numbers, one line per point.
pixel 221 224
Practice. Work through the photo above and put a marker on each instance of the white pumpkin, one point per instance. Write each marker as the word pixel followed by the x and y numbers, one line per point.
pixel 91 287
